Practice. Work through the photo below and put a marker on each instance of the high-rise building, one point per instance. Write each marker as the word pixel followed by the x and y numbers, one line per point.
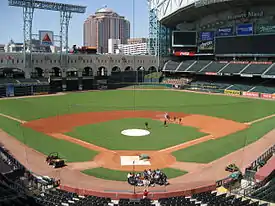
pixel 137 40
pixel 103 25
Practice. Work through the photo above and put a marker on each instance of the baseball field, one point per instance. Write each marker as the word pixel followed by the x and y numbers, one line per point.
pixel 85 128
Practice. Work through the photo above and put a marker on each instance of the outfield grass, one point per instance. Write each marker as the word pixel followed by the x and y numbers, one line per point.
pixel 46 144
pixel 108 134
pixel 214 149
pixel 116 175
pixel 238 109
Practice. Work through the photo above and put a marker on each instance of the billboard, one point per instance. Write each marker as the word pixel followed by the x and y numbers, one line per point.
pixel 265 28
pixel 246 45
pixel 184 39
pixel 207 35
pixel 46 38
pixel 244 29
pixel 226 31
pixel 208 45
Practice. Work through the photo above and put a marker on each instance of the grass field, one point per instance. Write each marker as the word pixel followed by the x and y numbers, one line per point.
pixel 108 174
pixel 237 109
pixel 108 134
pixel 46 144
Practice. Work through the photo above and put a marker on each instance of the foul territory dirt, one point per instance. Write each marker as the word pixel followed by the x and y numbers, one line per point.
pixel 58 125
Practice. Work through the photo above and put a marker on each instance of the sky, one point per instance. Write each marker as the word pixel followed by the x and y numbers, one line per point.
pixel 11 19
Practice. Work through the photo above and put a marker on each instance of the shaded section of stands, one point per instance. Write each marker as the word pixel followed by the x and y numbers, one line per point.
pixel 266 170
pixel 215 67
pixel 256 69
pixel 186 65
pixel 198 66
pixel 171 66
pixel 266 193
pixel 234 67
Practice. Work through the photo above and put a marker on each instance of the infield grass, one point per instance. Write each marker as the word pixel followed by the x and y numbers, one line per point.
pixel 46 144
pixel 214 149
pixel 108 134
pixel 116 175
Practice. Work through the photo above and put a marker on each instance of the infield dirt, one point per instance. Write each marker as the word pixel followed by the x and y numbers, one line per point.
pixel 58 125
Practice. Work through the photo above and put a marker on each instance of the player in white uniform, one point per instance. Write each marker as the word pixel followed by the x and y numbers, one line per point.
pixel 166 116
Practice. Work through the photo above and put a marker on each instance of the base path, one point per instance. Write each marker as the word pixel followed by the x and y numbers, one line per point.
pixel 58 125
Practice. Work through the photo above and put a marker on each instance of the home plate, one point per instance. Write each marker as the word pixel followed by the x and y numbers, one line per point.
pixel 132 160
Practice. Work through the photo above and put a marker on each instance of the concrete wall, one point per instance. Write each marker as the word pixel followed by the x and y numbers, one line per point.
pixel 78 62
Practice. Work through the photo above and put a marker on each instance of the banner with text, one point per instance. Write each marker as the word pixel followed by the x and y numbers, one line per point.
pixel 265 29
pixel 226 31
pixel 232 92
pixel 266 96
pixel 208 45
pixel 251 94
pixel 207 36
pixel 244 29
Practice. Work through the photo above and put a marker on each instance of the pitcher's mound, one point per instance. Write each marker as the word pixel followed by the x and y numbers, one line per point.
pixel 135 132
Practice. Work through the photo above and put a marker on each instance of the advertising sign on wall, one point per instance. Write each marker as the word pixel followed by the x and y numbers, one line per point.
pixel 226 31
pixel 207 36
pixel 232 92
pixel 46 38
pixel 244 29
pixel 265 29
pixel 208 45
pixel 251 94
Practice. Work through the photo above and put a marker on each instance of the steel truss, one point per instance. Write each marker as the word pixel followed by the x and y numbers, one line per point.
pixel 65 10
pixel 159 35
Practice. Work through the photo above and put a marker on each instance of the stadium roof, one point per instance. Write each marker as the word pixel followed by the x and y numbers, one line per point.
pixel 191 13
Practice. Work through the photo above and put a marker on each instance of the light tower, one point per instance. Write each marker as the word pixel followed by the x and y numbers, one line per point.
pixel 65 10
pixel 159 35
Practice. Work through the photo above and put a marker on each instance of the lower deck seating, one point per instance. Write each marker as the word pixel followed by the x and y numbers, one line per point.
pixel 234 68
pixel 266 193
pixel 263 89
pixel 215 66
pixel 241 87
pixel 171 66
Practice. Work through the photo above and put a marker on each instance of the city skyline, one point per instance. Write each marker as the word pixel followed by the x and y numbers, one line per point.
pixel 47 20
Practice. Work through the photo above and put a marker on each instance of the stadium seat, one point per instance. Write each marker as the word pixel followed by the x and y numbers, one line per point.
pixel 215 67
pixel 198 66
pixel 256 69
pixel 234 68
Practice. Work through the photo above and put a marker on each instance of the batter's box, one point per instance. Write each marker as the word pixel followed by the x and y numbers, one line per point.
pixel 133 160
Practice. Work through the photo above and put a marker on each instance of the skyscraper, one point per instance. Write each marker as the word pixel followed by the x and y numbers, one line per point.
pixel 103 25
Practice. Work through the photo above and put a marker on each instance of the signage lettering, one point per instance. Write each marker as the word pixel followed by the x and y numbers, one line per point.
pixel 250 14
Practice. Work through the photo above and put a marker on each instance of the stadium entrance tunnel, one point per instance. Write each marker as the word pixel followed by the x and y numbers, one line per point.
pixel 128 69
pixel 87 72
pixel 11 73
pixel 116 69
pixel 38 72
pixel 55 72
pixel 102 71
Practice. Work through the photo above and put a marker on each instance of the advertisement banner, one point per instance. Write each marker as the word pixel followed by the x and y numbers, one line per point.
pixel 226 31
pixel 266 96
pixel 46 38
pixel 251 94
pixel 232 92
pixel 208 45
pixel 265 28
pixel 207 36
pixel 244 29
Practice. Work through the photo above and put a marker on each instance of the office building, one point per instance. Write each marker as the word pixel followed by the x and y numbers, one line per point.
pixel 105 24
